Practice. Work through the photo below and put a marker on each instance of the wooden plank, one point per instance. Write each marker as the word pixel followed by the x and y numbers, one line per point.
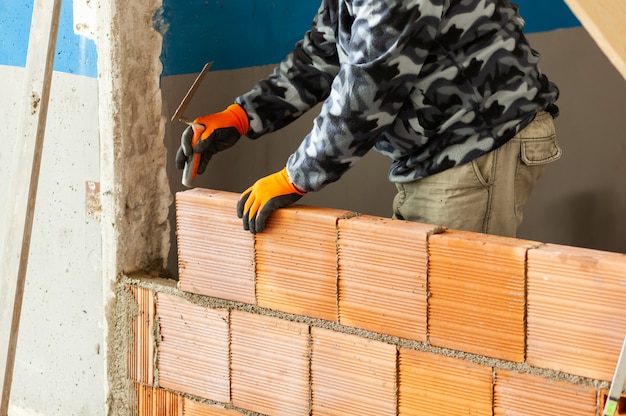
pixel 605 22
pixel 22 189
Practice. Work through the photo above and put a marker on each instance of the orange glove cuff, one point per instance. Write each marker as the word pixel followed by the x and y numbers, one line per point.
pixel 240 115
pixel 285 177
pixel 233 116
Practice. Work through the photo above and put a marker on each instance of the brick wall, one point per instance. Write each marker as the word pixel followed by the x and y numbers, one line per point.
pixel 332 313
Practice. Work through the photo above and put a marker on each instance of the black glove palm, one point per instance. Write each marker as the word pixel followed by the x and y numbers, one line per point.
pixel 220 131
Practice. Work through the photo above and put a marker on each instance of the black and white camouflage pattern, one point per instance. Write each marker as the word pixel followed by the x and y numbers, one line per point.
pixel 431 84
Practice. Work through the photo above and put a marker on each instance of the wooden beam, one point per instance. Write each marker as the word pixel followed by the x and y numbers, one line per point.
pixel 22 190
pixel 605 20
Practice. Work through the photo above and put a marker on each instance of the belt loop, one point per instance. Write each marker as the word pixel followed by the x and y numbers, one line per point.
pixel 553 109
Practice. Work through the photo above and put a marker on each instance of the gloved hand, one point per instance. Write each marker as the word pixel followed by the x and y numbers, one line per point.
pixel 266 195
pixel 221 131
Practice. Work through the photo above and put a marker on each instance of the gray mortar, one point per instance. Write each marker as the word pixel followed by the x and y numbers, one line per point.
pixel 120 313
pixel 162 284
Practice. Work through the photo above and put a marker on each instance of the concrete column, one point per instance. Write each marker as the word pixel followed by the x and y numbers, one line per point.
pixel 134 188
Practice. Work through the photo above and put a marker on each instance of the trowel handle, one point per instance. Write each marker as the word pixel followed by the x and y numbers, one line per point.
pixel 190 171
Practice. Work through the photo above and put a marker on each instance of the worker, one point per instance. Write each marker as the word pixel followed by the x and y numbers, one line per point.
pixel 449 90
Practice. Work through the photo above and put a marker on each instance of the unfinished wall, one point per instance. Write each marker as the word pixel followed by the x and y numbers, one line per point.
pixel 329 312
pixel 103 198
pixel 59 364
pixel 106 124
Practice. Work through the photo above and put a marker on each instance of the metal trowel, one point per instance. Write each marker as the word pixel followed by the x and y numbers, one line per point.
pixel 190 170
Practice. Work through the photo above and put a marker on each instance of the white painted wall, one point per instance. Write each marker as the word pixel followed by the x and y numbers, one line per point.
pixel 71 355
pixel 59 367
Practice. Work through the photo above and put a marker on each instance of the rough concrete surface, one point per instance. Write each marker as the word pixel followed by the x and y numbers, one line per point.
pixel 135 195
pixel 135 191
pixel 120 314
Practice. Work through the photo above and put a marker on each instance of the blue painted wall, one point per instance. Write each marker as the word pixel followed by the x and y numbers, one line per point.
pixel 233 33
pixel 244 33
pixel 74 54
pixel 546 15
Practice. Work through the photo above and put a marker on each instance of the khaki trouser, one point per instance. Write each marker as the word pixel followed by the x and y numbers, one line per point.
pixel 488 194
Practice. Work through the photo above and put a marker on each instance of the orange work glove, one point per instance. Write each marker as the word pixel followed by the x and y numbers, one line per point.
pixel 217 132
pixel 266 195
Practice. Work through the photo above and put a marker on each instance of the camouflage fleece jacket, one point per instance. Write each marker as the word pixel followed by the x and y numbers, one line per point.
pixel 429 83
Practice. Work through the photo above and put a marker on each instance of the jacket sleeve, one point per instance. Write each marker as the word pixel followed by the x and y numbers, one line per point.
pixel 385 48
pixel 298 83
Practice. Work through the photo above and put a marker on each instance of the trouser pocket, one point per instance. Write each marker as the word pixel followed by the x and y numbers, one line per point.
pixel 538 147
pixel 538 141
pixel 488 194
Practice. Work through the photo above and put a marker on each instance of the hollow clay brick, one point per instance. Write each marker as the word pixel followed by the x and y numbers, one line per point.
pixel 477 293
pixel 193 350
pixel 141 355
pixel 152 401
pixel 352 375
pixel 382 275
pixel 296 261
pixel 576 310
pixel 194 408
pixel 436 385
pixel 530 395
pixel 269 364
pixel 215 253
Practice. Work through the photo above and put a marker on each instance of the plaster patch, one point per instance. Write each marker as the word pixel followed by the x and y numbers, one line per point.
pixel 35 99
pixel 93 205
pixel 159 21
pixel 85 18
